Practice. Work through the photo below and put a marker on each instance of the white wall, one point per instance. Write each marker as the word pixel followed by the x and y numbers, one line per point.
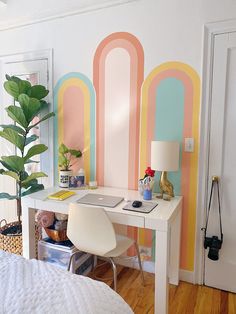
pixel 167 29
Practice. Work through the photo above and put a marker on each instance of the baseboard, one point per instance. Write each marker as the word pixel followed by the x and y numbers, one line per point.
pixel 132 262
pixel 149 266
pixel 186 275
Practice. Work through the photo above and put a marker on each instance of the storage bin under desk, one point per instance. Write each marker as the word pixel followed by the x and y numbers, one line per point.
pixel 59 256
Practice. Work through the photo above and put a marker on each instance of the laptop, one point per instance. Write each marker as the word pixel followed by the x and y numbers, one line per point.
pixel 100 200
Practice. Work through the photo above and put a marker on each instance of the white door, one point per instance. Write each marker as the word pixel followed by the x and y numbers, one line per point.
pixel 37 72
pixel 222 162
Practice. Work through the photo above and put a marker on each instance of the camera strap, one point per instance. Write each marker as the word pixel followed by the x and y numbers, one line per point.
pixel 215 181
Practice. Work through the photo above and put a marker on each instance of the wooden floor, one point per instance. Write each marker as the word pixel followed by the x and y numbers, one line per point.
pixel 186 298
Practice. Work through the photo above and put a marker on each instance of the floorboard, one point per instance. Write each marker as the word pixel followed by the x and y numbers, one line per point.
pixel 186 298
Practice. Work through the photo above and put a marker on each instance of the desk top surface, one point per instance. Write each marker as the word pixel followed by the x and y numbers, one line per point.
pixel 164 211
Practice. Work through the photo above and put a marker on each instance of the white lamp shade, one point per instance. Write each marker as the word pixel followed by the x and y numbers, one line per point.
pixel 165 156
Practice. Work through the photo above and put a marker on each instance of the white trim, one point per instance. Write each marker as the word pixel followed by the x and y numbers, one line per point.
pixel 33 56
pixel 52 16
pixel 186 275
pixel 149 266
pixel 210 31
pixel 132 262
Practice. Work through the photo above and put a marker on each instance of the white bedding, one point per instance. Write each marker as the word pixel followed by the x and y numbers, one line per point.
pixel 31 286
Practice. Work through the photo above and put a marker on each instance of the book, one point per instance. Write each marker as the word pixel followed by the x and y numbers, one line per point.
pixel 61 195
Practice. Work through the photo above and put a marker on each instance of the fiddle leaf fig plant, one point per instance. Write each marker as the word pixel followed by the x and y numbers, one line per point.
pixel 28 104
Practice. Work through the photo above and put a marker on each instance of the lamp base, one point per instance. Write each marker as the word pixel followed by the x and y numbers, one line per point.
pixel 166 186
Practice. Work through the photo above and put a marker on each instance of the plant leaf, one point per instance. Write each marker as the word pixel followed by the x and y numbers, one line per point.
pixel 24 86
pixel 15 79
pixel 38 92
pixel 13 137
pixel 11 174
pixel 63 149
pixel 7 166
pixel 62 161
pixel 49 115
pixel 29 183
pixel 33 176
pixel 12 89
pixel 33 188
pixel 14 163
pixel 29 161
pixel 76 153
pixel 17 115
pixel 30 106
pixel 35 150
pixel 31 139
pixel 13 127
pixel 44 104
pixel 8 196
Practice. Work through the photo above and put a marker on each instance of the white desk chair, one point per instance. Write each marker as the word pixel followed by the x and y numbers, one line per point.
pixel 91 231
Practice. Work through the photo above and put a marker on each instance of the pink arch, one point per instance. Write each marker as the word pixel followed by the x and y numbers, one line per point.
pixel 135 50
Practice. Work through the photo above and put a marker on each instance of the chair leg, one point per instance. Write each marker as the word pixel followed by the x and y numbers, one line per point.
pixel 70 261
pixel 114 273
pixel 139 261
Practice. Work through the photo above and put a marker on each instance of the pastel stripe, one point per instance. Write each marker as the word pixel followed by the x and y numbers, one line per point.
pixel 134 48
pixel 190 80
pixel 131 44
pixel 78 84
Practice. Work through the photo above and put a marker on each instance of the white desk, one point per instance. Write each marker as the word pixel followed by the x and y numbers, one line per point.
pixel 165 219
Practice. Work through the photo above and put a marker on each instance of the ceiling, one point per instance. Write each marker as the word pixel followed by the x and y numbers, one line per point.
pixel 25 11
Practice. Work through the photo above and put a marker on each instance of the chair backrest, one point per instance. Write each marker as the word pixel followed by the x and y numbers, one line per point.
pixel 90 229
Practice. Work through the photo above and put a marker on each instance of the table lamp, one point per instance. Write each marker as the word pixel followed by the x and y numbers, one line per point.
pixel 165 157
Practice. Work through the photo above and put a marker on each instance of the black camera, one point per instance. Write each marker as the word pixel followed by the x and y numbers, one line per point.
pixel 214 245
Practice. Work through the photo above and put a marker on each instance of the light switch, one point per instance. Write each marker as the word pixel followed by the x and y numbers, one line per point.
pixel 189 144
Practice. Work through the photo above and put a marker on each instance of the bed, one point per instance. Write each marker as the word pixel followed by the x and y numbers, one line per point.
pixel 32 286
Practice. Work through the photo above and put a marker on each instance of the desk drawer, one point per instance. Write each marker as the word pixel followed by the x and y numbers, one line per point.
pixel 124 219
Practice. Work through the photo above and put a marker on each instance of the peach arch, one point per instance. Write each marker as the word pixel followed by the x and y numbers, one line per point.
pixel 132 45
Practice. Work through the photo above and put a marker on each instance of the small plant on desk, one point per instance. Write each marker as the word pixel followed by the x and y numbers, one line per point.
pixel 67 157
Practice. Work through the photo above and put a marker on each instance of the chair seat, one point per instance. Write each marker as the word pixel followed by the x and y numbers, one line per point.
pixel 123 243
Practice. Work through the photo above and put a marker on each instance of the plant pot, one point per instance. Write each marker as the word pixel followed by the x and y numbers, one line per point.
pixel 64 178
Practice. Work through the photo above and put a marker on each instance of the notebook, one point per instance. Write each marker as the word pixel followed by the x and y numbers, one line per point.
pixel 146 207
pixel 100 200
pixel 61 195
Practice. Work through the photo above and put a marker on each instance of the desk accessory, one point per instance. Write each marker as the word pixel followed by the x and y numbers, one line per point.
pixel 137 204
pixel 165 157
pixel 146 207
pixel 146 184
pixel 61 195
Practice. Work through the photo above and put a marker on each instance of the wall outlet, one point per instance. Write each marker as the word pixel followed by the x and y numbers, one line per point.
pixel 145 251
pixel 189 144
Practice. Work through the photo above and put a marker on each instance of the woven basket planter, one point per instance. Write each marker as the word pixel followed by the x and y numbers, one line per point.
pixel 13 243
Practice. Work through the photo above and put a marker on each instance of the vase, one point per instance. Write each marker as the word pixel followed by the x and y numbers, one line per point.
pixel 64 178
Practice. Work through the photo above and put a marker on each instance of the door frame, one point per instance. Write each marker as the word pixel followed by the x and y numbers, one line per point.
pixel 210 31
pixel 34 56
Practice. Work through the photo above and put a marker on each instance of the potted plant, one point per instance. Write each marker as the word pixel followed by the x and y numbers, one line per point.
pixel 28 105
pixel 66 158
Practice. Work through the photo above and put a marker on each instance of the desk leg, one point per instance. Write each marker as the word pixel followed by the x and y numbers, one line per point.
pixel 28 231
pixel 175 237
pixel 161 273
